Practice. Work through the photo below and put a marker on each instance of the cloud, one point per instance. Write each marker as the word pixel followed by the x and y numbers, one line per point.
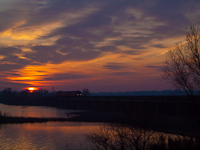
pixel 14 13
pixel 100 20
pixel 124 73
pixel 62 52
pixel 172 14
pixel 10 59
pixel 134 43
pixel 160 46
pixel 8 67
pixel 13 85
pixel 9 51
pixel 52 11
pixel 44 54
pixel 42 32
pixel 155 67
pixel 114 66
pixel 108 48
pixel 66 76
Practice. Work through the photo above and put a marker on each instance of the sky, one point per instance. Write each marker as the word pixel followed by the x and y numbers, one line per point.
pixel 102 45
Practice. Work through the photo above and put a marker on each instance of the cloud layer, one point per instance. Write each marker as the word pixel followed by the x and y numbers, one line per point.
pixel 96 40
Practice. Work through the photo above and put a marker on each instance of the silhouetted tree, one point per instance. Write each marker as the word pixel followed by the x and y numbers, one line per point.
pixel 182 65
pixel 7 92
pixel 24 93
pixel 127 137
pixel 85 92
pixel 121 137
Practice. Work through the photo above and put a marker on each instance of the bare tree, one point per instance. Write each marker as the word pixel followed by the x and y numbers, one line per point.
pixel 121 137
pixel 182 65
pixel 85 92
pixel 127 137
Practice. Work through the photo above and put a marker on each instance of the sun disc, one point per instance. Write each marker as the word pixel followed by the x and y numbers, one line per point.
pixel 31 89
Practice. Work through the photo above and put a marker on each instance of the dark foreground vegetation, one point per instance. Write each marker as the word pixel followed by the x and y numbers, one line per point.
pixel 126 137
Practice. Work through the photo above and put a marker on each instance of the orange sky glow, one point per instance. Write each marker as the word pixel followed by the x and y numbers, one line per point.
pixel 94 45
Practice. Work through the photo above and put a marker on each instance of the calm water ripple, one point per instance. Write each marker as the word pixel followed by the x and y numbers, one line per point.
pixel 34 111
pixel 48 136
pixel 43 136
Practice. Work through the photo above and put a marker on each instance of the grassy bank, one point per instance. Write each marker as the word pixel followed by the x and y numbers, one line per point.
pixel 4 119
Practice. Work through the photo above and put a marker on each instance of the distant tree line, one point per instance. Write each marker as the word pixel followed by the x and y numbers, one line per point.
pixel 142 93
pixel 8 93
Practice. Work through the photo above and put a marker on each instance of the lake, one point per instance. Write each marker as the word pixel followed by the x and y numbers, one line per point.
pixel 34 111
pixel 45 136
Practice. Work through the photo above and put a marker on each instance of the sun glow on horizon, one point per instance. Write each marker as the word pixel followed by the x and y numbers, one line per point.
pixel 31 89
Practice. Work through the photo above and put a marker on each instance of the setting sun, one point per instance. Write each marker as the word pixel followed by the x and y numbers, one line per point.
pixel 31 89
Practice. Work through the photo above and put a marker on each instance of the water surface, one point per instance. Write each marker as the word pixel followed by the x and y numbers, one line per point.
pixel 46 136
pixel 34 111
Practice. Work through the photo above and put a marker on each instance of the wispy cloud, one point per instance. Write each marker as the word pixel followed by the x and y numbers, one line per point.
pixel 89 37
pixel 67 76
pixel 114 66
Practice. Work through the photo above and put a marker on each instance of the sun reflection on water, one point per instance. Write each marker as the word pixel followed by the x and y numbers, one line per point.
pixel 52 136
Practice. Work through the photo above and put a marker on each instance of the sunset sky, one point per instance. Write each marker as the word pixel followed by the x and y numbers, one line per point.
pixel 102 45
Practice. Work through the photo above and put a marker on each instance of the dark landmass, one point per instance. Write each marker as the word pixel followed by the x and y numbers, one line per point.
pixel 163 124
pixel 171 114
pixel 10 119
pixel 142 93
pixel 167 124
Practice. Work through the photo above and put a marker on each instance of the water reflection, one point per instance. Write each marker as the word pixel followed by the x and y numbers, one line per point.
pixel 63 135
pixel 54 136
pixel 126 137
pixel 34 111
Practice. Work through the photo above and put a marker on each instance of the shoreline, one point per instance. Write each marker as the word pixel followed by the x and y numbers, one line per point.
pixel 163 122
pixel 98 116
pixel 13 120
